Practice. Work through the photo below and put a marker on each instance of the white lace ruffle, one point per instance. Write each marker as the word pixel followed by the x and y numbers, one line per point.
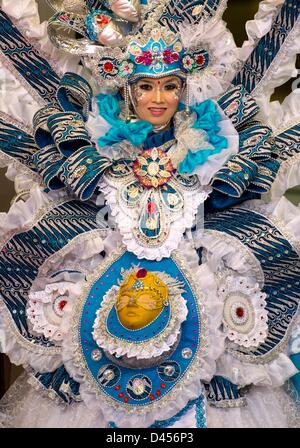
pixel 219 42
pixel 24 407
pixel 21 213
pixel 223 251
pixel 284 215
pixel 273 373
pixel 23 103
pixel 126 220
pixel 266 408
pixel 281 117
pixel 213 307
pixel 259 26
pixel 281 70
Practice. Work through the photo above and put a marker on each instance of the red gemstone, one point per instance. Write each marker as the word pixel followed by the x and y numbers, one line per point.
pixel 126 399
pixel 200 60
pixel 163 386
pixel 102 20
pixel 62 304
pixel 117 387
pixel 158 392
pixel 108 67
pixel 151 207
pixel 240 312
pixel 141 273
pixel 151 397
pixel 121 394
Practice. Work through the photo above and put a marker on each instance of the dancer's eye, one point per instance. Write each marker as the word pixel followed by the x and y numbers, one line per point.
pixel 171 86
pixel 146 87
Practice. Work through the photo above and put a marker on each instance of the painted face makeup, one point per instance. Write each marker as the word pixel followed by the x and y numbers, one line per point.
pixel 156 100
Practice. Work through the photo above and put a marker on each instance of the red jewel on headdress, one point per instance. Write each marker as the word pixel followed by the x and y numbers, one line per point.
pixel 170 56
pixel 240 312
pixel 146 58
pixel 200 59
pixel 64 17
pixel 141 273
pixel 108 67
pixel 101 20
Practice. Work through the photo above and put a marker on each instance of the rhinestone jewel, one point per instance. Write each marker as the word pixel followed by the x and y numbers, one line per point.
pixel 169 370
pixel 153 168
pixel 187 353
pixel 138 386
pixel 78 172
pixel 108 375
pixel 96 355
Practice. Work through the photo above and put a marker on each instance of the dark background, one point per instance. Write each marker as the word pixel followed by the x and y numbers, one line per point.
pixel 236 15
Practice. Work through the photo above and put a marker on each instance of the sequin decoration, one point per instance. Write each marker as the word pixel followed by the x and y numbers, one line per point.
pixel 96 355
pixel 109 375
pixel 139 387
pixel 169 371
pixel 186 353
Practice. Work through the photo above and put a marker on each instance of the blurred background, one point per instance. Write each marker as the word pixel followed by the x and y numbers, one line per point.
pixel 236 15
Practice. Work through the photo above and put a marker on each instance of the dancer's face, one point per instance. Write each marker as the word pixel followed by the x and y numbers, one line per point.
pixel 157 100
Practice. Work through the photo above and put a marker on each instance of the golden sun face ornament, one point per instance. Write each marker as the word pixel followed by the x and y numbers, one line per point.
pixel 141 298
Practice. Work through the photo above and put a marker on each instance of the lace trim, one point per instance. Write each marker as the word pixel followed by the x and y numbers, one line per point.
pixel 249 257
pixel 17 123
pixel 14 395
pixel 290 403
pixel 57 256
pixel 283 54
pixel 39 387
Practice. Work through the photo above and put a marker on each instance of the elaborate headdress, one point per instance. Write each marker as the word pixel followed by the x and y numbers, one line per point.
pixel 124 39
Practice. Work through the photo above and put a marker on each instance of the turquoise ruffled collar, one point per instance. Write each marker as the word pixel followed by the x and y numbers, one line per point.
pixel 141 132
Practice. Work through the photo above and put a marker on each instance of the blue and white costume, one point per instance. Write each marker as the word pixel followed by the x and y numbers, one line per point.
pixel 200 203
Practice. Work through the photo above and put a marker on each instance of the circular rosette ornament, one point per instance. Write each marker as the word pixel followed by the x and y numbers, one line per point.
pixel 153 168
pixel 244 315
pixel 45 309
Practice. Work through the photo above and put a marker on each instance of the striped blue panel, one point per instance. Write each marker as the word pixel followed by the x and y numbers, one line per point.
pixel 238 105
pixel 221 389
pixel 267 48
pixel 280 264
pixel 288 143
pixel 175 12
pixel 61 384
pixel 27 61
pixel 17 144
pixel 25 252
